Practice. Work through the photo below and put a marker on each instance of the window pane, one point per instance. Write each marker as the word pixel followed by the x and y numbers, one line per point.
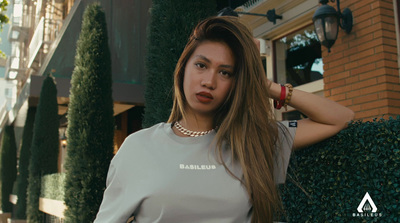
pixel 298 58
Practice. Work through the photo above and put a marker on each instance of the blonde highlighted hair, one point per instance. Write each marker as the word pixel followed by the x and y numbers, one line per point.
pixel 245 121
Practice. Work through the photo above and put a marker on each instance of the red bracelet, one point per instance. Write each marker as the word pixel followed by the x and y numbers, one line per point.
pixel 281 102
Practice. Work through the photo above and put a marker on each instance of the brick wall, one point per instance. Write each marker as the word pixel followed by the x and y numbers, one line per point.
pixel 361 71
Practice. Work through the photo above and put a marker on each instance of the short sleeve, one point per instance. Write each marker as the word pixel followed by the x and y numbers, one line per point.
pixel 286 133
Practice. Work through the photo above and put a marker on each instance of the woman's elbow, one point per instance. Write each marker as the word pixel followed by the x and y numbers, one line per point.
pixel 348 117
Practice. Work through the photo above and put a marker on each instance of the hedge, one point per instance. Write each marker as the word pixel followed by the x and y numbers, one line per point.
pixel 90 132
pixel 329 180
pixel 8 167
pixel 52 186
pixel 44 148
pixel 23 174
pixel 169 29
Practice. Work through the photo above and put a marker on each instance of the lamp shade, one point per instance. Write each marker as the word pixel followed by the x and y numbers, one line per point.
pixel 326 23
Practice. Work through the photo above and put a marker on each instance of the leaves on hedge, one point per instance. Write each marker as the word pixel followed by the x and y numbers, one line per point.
pixel 336 173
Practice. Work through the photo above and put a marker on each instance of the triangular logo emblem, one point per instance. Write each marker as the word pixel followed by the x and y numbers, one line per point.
pixel 364 206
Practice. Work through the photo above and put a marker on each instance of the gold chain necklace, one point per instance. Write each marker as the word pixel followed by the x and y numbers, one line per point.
pixel 189 132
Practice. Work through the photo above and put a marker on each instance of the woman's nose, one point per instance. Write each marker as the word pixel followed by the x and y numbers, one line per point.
pixel 209 80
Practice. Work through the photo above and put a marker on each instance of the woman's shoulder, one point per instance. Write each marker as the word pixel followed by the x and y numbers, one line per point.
pixel 143 138
pixel 147 132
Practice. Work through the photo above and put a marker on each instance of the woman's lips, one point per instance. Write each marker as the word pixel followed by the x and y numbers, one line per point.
pixel 204 97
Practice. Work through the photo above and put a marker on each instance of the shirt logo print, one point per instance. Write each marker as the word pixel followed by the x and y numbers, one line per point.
pixel 196 167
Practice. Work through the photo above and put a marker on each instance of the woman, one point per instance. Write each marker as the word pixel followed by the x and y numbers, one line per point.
pixel 221 153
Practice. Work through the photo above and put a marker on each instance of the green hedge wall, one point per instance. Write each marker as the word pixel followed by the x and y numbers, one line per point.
pixel 169 29
pixel 8 167
pixel 329 179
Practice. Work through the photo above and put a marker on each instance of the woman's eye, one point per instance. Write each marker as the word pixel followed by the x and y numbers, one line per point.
pixel 226 73
pixel 200 65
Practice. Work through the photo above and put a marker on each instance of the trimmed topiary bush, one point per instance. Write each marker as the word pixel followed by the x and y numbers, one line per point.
pixel 44 148
pixel 23 173
pixel 90 132
pixel 170 26
pixel 8 167
pixel 51 186
pixel 330 179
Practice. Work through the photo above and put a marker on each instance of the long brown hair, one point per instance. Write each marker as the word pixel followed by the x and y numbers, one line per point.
pixel 245 121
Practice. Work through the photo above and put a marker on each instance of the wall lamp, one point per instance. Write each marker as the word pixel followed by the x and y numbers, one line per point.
pixel 271 15
pixel 327 21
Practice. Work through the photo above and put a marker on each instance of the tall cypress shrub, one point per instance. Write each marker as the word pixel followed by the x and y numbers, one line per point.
pixel 170 26
pixel 90 130
pixel 23 173
pixel 8 167
pixel 45 146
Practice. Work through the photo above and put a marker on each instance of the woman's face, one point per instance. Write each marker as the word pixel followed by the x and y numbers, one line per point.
pixel 208 77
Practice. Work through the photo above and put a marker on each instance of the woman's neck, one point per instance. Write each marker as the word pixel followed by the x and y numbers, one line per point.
pixel 197 123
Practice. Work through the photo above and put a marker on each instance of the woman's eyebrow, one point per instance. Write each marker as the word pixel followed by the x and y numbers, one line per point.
pixel 209 61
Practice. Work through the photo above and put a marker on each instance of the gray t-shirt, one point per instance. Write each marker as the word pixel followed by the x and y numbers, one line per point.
pixel 158 176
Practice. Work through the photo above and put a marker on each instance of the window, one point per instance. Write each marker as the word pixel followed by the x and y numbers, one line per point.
pixel 298 58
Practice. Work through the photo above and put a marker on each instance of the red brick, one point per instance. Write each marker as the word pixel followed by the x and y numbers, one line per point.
pixel 382 18
pixel 357 11
pixel 359 4
pixel 351 80
pixel 338 97
pixel 385 34
pixel 362 54
pixel 333 56
pixel 369 29
pixel 367 114
pixel 351 51
pixel 375 88
pixel 389 94
pixel 346 103
pixel 361 40
pixel 386 5
pixel 389 42
pixel 365 83
pixel 353 94
pixel 395 111
pixel 327 93
pixel 387 12
pixel 370 59
pixel 340 47
pixel 355 108
pixel 334 71
pixel 373 73
pixel 368 16
pixel 335 84
pixel 365 98
pixel 389 49
pixel 374 104
pixel 339 62
pixel 339 76
pixel 388 79
pixel 370 44
pixel 394 103
pixel 387 64
pixel 362 69
pixel 350 65
pixel 365 23
pixel 340 90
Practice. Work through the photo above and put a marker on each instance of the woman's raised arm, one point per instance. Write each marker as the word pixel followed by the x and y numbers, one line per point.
pixel 325 117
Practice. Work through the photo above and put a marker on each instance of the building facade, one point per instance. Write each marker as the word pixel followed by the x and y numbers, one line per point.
pixel 362 69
